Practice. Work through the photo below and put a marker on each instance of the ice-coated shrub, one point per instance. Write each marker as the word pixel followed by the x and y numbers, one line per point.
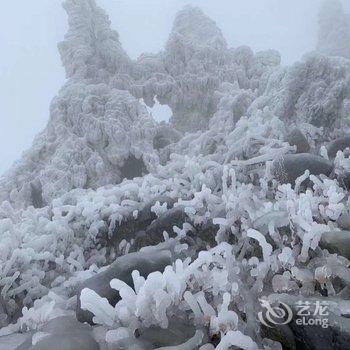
pixel 73 204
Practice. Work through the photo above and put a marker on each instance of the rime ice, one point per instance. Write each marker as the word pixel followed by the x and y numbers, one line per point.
pixel 145 229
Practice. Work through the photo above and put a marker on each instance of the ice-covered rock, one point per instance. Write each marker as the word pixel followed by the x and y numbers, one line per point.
pixel 178 332
pixel 337 241
pixel 96 136
pixel 314 90
pixel 165 222
pixel 290 166
pixel 338 145
pixel 91 49
pixel 296 138
pixel 344 221
pixel 64 333
pixel 196 67
pixel 122 268
pixel 13 341
pixel 331 332
pixel 133 226
pixel 104 179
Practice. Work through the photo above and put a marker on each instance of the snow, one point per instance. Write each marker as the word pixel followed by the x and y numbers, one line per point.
pixel 100 181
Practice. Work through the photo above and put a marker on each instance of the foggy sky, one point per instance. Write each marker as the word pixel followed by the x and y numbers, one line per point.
pixel 30 67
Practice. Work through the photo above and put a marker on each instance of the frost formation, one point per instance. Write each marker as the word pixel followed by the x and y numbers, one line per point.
pixel 104 180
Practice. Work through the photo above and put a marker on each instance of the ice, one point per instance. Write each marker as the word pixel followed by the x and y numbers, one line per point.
pixel 236 338
pixel 116 278
pixel 148 225
pixel 286 256
pixel 266 247
pixel 103 311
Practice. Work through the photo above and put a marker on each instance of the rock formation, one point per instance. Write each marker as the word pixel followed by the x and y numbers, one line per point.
pixel 104 183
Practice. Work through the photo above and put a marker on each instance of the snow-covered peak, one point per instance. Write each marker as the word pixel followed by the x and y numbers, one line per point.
pixel 195 43
pixel 215 193
pixel 197 29
pixel 91 49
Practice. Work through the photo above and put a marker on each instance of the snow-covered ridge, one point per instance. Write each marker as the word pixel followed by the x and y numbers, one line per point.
pixel 104 180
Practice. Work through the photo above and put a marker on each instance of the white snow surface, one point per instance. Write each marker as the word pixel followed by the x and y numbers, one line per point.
pixel 231 109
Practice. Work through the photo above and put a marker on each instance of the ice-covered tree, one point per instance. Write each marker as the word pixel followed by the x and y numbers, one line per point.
pixel 168 234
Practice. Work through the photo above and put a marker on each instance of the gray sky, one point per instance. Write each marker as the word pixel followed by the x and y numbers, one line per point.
pixel 31 72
